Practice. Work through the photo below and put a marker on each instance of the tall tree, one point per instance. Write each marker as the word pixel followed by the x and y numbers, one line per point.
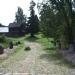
pixel 21 20
pixel 20 17
pixel 36 24
pixel 65 7
pixel 33 20
pixel 63 12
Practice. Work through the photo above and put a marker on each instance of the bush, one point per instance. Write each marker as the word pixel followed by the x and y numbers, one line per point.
pixel 19 42
pixel 4 41
pixel 2 38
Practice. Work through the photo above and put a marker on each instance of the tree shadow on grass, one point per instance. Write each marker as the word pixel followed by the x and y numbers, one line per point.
pixel 55 57
pixel 32 39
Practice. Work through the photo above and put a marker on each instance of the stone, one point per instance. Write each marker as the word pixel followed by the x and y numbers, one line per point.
pixel 11 45
pixel 27 48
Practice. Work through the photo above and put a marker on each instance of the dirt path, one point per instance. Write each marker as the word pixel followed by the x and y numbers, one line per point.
pixel 34 62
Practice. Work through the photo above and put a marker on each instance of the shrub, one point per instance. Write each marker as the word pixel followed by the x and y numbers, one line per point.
pixel 19 42
pixel 2 38
pixel 4 41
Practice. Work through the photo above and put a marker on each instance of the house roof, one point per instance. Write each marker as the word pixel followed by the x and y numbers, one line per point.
pixel 12 25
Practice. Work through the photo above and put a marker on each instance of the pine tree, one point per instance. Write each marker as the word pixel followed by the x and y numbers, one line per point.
pixel 33 20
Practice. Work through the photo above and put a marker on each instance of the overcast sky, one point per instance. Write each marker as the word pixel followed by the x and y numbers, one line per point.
pixel 8 9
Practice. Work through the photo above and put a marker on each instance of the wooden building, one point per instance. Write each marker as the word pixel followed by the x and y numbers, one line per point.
pixel 16 29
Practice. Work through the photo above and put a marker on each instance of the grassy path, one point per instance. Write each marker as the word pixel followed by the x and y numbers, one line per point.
pixel 34 62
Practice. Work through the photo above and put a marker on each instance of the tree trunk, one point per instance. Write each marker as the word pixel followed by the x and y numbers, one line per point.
pixel 32 35
pixel 68 28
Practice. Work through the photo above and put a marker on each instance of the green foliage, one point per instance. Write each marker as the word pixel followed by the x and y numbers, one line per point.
pixel 57 19
pixel 65 8
pixel 46 20
pixel 2 38
pixel 33 20
pixel 20 17
pixel 49 22
pixel 4 41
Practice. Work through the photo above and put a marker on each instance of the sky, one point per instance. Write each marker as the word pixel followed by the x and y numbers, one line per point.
pixel 8 8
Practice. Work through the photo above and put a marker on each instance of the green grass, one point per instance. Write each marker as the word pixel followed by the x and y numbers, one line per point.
pixel 45 41
pixel 16 56
pixel 18 51
pixel 41 39
pixel 52 52
pixel 4 41
pixel 15 39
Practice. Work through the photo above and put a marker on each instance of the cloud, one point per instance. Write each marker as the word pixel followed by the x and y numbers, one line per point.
pixel 8 9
